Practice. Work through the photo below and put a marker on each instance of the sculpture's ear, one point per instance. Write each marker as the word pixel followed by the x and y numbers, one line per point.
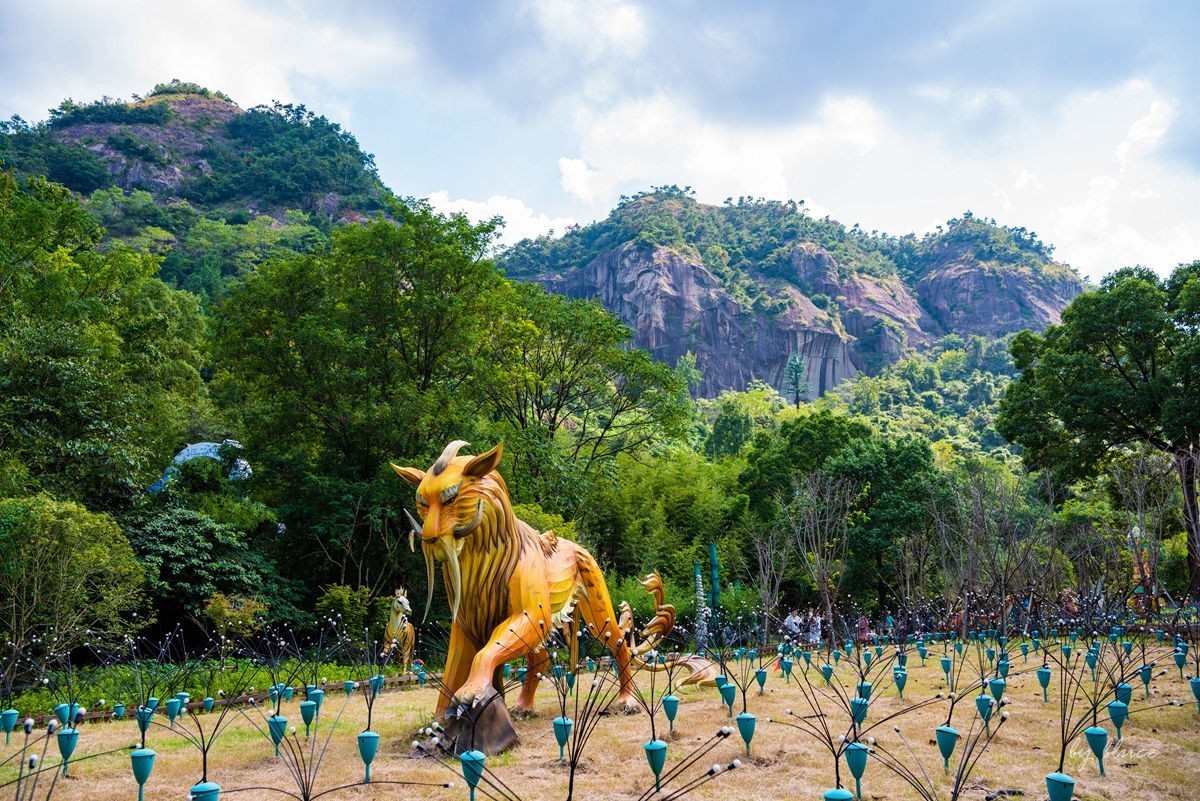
pixel 484 463
pixel 410 474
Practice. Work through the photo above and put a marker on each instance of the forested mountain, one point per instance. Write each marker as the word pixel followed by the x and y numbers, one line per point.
pixel 194 272
pixel 745 285
pixel 186 173
pixel 217 190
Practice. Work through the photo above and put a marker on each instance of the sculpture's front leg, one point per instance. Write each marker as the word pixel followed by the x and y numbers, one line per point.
pixel 459 657
pixel 515 638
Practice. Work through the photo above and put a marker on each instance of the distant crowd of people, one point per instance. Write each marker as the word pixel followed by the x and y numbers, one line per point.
pixel 805 629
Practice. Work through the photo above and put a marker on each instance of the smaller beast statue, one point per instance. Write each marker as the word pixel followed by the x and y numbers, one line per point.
pixel 400 634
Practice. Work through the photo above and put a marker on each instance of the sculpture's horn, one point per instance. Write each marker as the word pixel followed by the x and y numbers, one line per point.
pixel 447 456
pixel 455 574
pixel 467 528
pixel 416 529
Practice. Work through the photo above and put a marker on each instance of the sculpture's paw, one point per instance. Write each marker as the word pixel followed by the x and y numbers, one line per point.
pixel 479 721
pixel 470 696
pixel 522 711
pixel 624 704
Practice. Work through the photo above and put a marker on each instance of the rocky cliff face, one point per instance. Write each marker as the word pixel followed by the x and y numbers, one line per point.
pixel 971 299
pixel 841 324
pixel 173 150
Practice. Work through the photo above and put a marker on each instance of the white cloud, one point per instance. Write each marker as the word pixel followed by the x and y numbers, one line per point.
pixel 659 140
pixel 1086 178
pixel 253 54
pixel 520 221
pixel 593 29
pixel 576 177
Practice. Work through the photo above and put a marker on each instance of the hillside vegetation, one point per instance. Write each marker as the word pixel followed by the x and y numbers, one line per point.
pixel 201 273
pixel 186 173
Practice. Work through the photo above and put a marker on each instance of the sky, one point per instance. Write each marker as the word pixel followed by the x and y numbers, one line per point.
pixel 1077 120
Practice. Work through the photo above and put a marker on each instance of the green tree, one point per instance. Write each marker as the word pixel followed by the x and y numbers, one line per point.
pixel 559 375
pixel 1123 368
pixel 800 447
pixel 64 571
pixel 188 557
pixel 794 382
pixel 338 361
pixel 99 360
pixel 894 474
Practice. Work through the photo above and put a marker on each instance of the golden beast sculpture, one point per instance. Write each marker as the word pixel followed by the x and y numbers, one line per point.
pixel 509 586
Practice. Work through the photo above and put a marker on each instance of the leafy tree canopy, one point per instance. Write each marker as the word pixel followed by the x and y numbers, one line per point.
pixel 1122 369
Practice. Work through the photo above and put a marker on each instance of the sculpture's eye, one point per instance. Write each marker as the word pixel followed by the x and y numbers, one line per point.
pixel 449 494
pixel 421 502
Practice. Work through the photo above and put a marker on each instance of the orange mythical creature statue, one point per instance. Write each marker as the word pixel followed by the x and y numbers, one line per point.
pixel 400 633
pixel 509 587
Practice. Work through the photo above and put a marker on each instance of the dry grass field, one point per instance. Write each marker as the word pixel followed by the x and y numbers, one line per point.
pixel 1159 757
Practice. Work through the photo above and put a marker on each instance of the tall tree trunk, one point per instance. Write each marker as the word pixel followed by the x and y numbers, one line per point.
pixel 1186 464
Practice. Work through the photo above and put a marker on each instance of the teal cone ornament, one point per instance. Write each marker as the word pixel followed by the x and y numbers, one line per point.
pixel 472 768
pixel 1146 673
pixel 1097 740
pixel 745 724
pixel 1060 786
pixel 172 706
pixel 827 671
pixel 1118 711
pixel 984 704
pixel 1043 677
pixel 947 663
pixel 670 704
pixel 8 721
pixel 760 676
pixel 144 716
pixel 858 709
pixel 856 759
pixel 368 747
pixel 205 791
pixel 656 755
pixel 142 761
pixel 947 738
pixel 68 738
pixel 729 695
pixel 308 711
pixel 562 733
pixel 997 687
pixel 277 727
pixel 1195 685
pixel 1124 692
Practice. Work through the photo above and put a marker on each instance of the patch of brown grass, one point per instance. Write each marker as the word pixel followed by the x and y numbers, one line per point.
pixel 1156 759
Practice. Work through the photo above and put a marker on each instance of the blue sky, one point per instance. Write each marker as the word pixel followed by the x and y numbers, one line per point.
pixel 1080 120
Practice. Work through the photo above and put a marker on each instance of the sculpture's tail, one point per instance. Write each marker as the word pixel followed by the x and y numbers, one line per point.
pixel 659 626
